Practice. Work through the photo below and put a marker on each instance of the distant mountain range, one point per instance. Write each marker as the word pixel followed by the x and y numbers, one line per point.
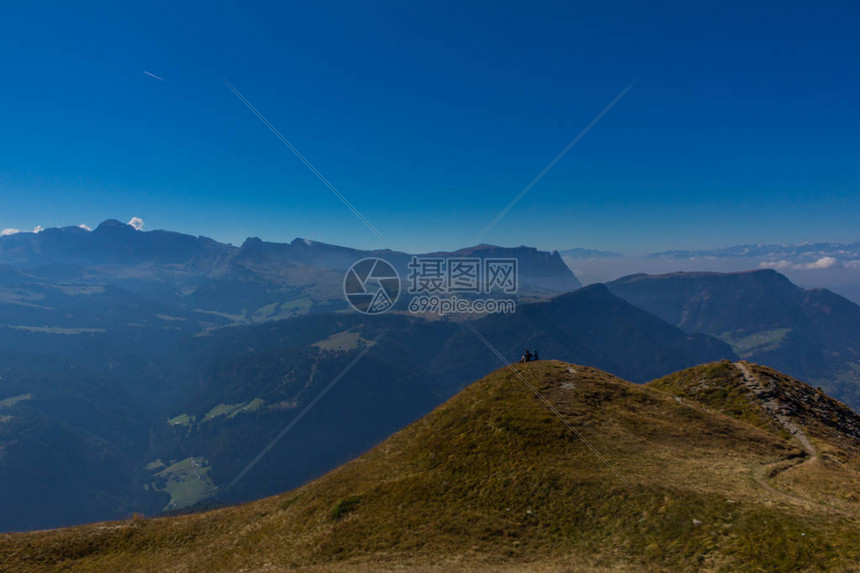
pixel 723 466
pixel 255 282
pixel 805 255
pixel 835 266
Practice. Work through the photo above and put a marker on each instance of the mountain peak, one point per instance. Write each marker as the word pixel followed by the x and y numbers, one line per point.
pixel 113 224
pixel 252 242
pixel 767 399
pixel 303 242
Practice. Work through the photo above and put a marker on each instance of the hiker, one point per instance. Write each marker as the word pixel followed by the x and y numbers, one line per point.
pixel 522 358
pixel 534 354
pixel 528 356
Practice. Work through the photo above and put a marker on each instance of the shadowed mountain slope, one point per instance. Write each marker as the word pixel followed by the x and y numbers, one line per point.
pixel 494 480
pixel 592 326
pixel 179 415
pixel 281 366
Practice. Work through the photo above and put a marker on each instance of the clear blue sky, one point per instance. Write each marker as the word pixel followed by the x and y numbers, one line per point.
pixel 744 125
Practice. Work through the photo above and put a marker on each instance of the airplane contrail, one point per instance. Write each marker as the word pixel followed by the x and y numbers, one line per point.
pixel 159 78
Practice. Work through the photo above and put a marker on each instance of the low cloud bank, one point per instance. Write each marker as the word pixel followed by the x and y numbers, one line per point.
pixel 822 263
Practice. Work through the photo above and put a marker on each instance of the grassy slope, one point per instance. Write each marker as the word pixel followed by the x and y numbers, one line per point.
pixel 719 386
pixel 493 478
pixel 833 477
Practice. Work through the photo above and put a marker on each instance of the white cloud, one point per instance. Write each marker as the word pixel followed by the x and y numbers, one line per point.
pixel 85 227
pixel 137 223
pixel 38 229
pixel 10 231
pixel 822 263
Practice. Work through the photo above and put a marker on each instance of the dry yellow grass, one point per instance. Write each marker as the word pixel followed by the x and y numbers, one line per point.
pixel 493 480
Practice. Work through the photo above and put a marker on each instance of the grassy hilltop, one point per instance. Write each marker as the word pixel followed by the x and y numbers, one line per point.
pixel 720 467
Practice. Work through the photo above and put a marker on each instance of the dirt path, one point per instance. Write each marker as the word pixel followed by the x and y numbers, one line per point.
pixel 769 471
pixel 775 410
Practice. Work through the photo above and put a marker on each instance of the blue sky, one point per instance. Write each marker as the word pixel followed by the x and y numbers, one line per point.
pixel 743 126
